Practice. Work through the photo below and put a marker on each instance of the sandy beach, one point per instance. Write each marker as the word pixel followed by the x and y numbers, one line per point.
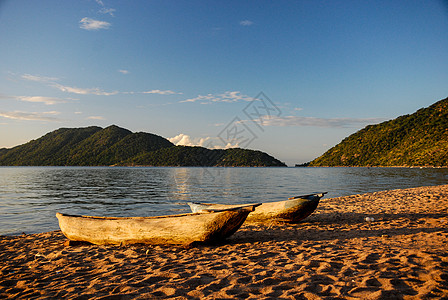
pixel 333 254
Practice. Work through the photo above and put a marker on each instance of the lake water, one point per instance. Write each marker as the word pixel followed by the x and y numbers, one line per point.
pixel 31 196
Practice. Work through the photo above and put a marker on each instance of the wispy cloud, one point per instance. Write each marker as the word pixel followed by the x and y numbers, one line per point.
pixel 30 116
pixel 246 23
pixel 53 82
pixel 109 11
pixel 227 97
pixel 84 91
pixel 96 118
pixel 125 72
pixel 104 9
pixel 91 24
pixel 160 92
pixel 75 90
pixel 38 78
pixel 295 121
pixel 39 99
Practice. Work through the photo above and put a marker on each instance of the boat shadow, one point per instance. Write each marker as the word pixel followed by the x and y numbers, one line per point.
pixel 342 226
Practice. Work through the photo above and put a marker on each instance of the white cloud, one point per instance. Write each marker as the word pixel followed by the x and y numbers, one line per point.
pixel 104 9
pixel 30 116
pixel 83 91
pixel 160 92
pixel 109 11
pixel 166 92
pixel 228 97
pixel 38 78
pixel 91 91
pixel 200 98
pixel 91 24
pixel 52 112
pixel 96 118
pixel 39 99
pixel 207 142
pixel 298 109
pixel 75 90
pixel 246 23
pixel 318 122
pixel 186 140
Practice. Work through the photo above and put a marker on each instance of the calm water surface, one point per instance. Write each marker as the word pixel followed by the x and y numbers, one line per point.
pixel 30 196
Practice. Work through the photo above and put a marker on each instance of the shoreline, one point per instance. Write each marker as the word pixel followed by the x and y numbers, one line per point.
pixel 334 253
pixel 247 167
pixel 397 167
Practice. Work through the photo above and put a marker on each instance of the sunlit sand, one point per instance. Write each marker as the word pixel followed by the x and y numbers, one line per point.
pixel 399 253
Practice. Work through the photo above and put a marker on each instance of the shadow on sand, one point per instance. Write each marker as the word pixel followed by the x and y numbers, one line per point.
pixel 332 226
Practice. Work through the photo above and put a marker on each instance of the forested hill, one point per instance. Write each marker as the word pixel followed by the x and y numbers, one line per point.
pixel 419 139
pixel 95 146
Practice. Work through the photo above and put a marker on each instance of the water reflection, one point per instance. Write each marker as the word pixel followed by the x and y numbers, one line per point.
pixel 31 196
pixel 182 181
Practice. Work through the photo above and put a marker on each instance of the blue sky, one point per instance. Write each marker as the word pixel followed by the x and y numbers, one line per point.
pixel 291 78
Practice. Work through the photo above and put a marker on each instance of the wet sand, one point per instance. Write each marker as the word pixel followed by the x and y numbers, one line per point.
pixel 334 254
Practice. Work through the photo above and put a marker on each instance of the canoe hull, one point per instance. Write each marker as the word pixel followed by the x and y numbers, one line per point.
pixel 291 211
pixel 183 229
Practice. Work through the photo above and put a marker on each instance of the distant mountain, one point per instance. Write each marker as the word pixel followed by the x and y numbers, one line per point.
pixel 419 139
pixel 95 146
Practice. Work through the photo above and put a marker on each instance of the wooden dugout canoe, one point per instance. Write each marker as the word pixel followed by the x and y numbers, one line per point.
pixel 185 229
pixel 292 210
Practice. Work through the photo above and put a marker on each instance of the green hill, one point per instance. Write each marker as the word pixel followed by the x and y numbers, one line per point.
pixel 95 146
pixel 419 139
pixel 246 158
pixel 52 149
pixel 199 156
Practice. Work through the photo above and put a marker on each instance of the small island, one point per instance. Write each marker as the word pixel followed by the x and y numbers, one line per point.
pixel 116 146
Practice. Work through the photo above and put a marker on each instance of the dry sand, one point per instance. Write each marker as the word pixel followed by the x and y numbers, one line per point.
pixel 334 254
